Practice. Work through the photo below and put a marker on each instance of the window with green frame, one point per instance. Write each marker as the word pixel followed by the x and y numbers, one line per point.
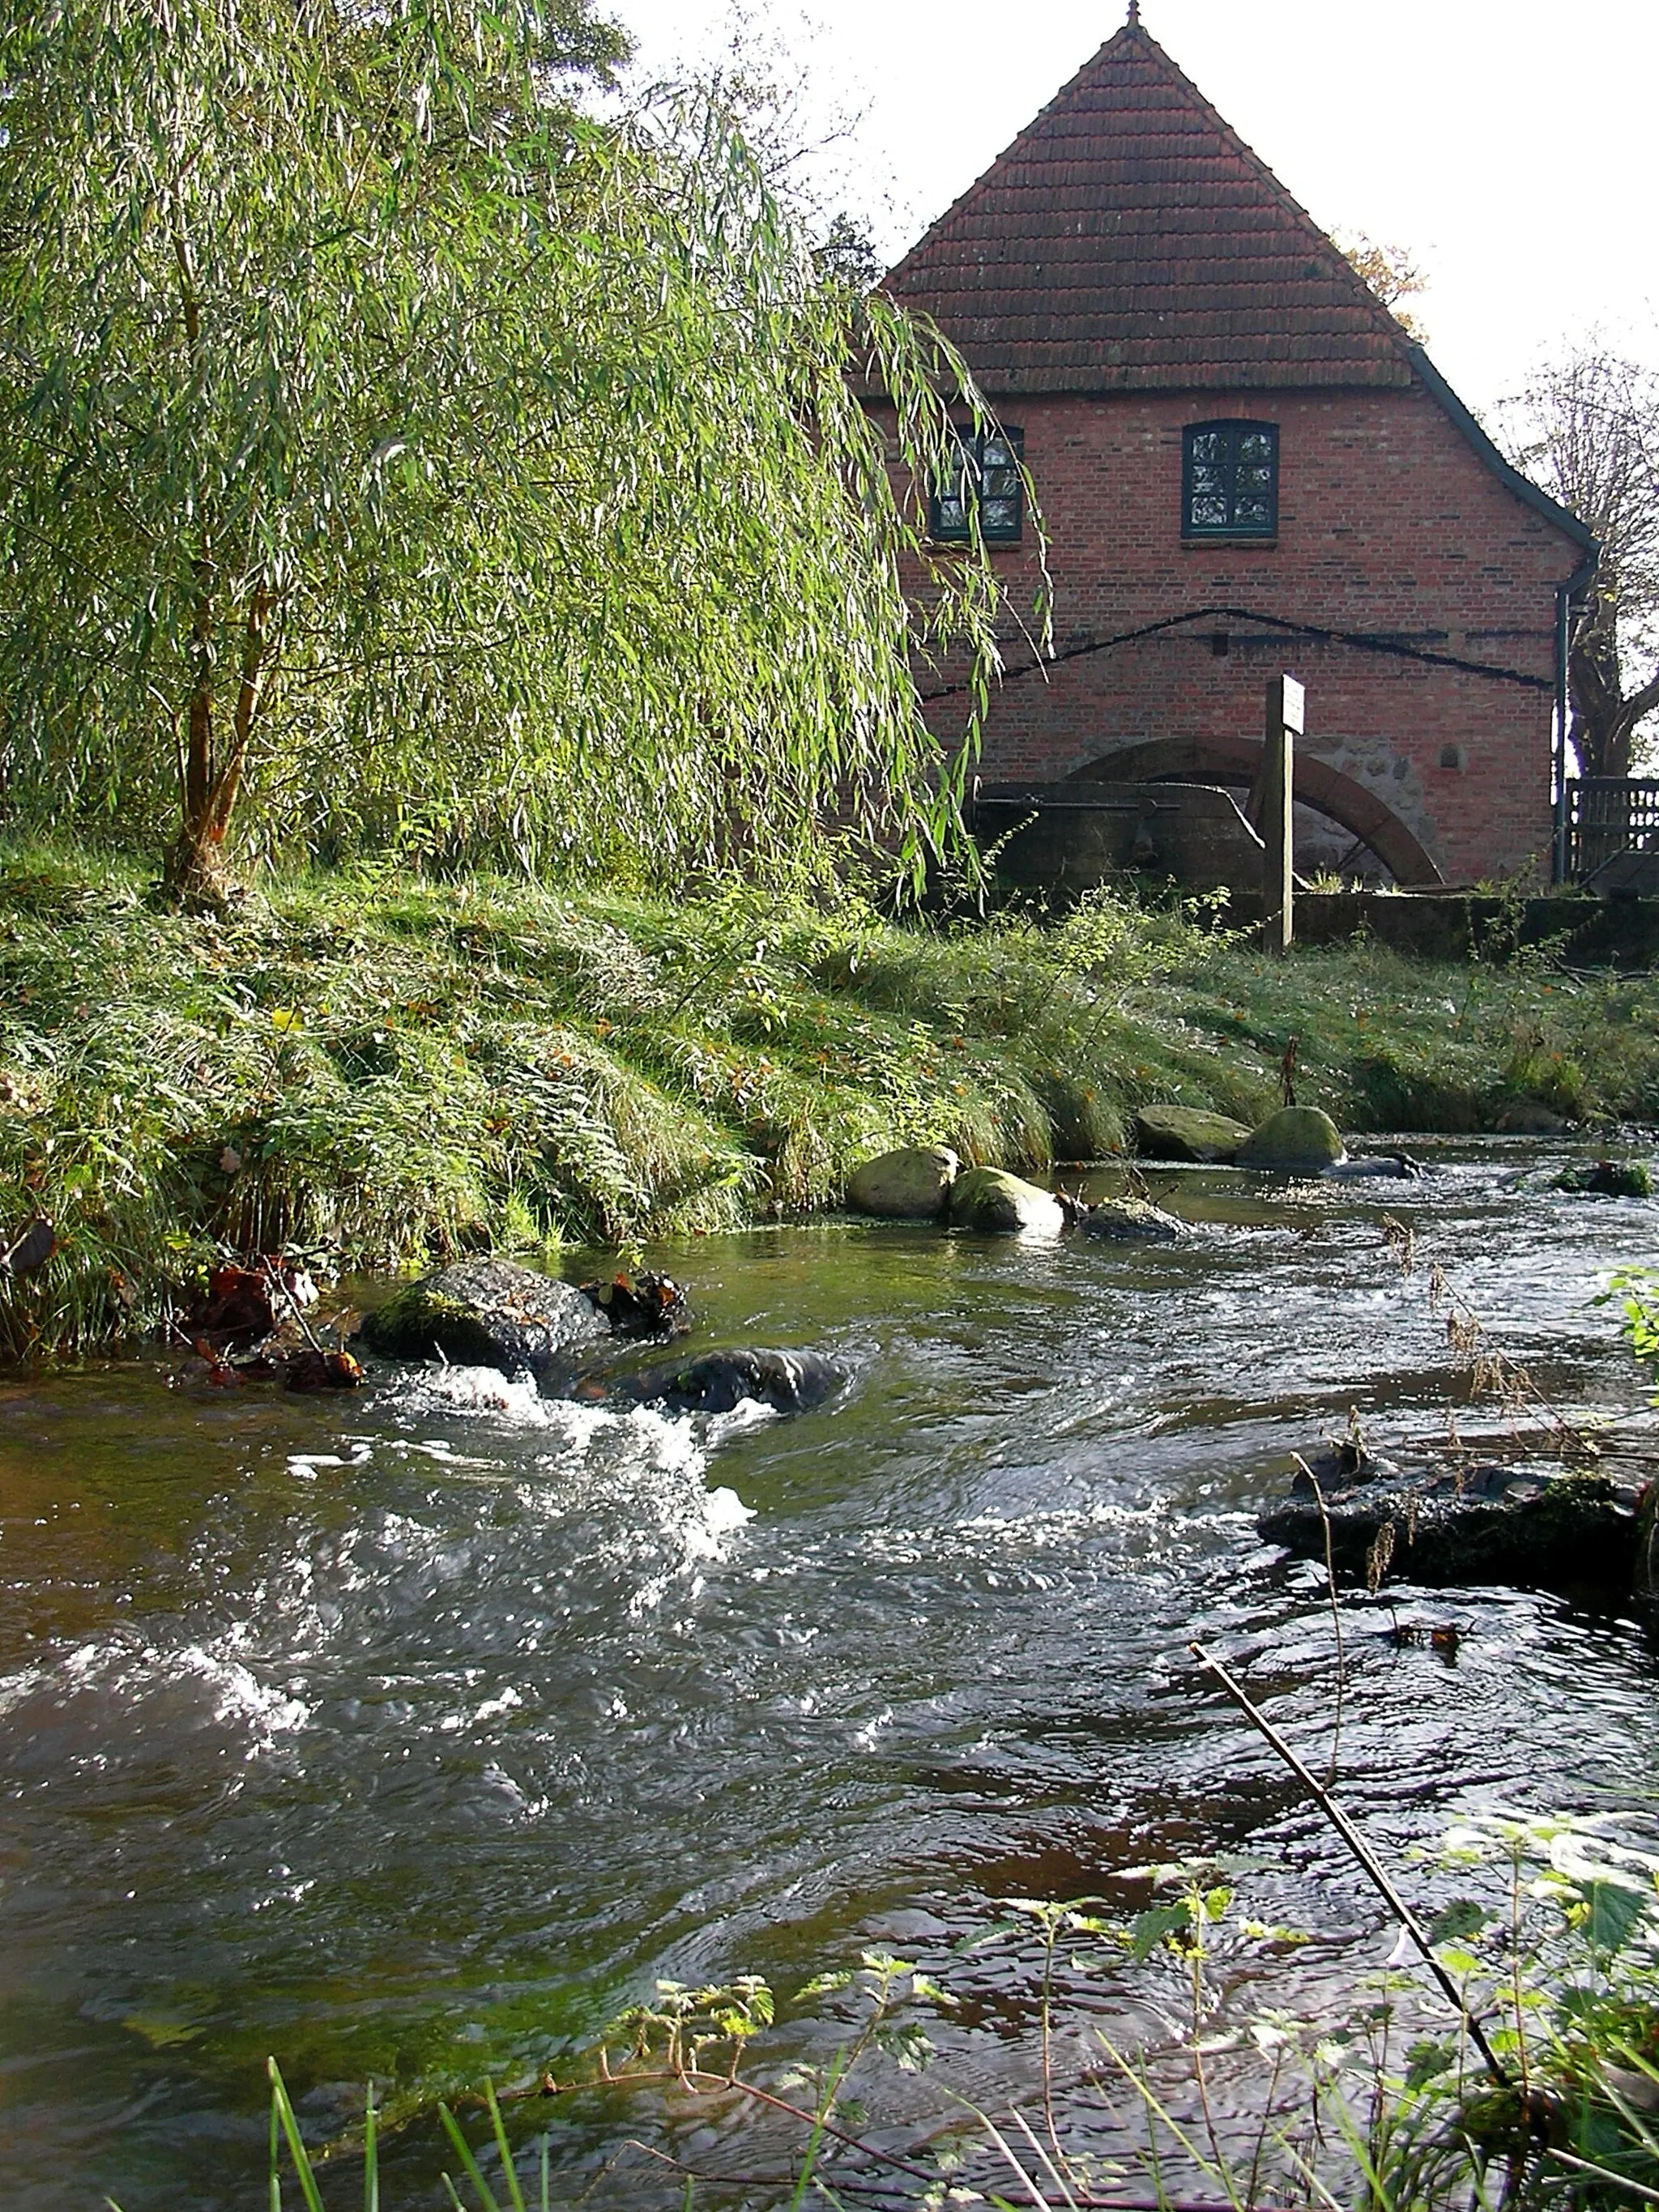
pixel 1230 480
pixel 986 474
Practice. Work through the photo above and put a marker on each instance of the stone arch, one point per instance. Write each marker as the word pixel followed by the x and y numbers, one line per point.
pixel 1235 760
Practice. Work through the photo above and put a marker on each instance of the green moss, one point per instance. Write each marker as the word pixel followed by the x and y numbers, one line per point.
pixel 414 1321
pixel 1609 1179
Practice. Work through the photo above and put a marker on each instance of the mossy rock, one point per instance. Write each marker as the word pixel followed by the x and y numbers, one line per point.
pixel 1455 1523
pixel 1297 1139
pixel 1188 1133
pixel 997 1203
pixel 912 1184
pixel 485 1313
pixel 1609 1179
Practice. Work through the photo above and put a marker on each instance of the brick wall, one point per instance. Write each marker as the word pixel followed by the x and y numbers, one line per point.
pixel 1389 522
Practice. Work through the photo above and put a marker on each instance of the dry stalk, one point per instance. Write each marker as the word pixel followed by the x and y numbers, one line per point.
pixel 1369 1864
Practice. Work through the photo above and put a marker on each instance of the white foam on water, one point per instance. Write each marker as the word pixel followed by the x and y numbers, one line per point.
pixel 747 1413
pixel 723 1513
pixel 635 1475
pixel 699 1524
pixel 304 1465
pixel 15 1689
pixel 238 1695
pixel 479 1390
pixel 128 1672
pixel 492 1708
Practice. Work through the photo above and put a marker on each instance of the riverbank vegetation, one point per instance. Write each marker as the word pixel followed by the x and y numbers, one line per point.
pixel 370 1069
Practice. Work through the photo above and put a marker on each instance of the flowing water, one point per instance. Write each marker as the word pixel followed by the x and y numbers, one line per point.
pixel 413 1735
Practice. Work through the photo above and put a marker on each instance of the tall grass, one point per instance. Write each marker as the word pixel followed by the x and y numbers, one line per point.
pixel 376 1071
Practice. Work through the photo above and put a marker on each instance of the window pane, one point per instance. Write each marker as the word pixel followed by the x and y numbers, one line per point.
pixel 953 517
pixel 1231 479
pixel 1000 517
pixel 995 453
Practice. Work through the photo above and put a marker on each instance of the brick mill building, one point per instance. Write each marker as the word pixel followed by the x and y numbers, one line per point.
pixel 1243 464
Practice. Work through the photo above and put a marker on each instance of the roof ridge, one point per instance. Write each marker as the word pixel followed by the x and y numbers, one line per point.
pixel 1268 176
pixel 1128 235
pixel 1133 28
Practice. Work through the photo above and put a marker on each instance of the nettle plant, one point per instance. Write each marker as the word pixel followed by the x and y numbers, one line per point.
pixel 1636 1289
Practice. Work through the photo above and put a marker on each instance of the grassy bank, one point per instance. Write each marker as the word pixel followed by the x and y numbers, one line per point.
pixel 372 1070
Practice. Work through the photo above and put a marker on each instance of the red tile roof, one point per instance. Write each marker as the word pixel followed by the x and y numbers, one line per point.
pixel 1128 239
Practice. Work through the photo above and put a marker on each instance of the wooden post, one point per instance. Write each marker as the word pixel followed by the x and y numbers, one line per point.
pixel 1284 722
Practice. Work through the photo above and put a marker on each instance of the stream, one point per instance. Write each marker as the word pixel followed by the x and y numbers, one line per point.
pixel 412 1735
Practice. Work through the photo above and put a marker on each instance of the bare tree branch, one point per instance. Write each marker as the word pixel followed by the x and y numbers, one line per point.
pixel 1587 429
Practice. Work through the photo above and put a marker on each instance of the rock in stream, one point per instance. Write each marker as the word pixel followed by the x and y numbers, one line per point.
pixel 991 1200
pixel 1188 1133
pixel 716 1381
pixel 912 1184
pixel 486 1313
pixel 1296 1139
pixel 1484 1521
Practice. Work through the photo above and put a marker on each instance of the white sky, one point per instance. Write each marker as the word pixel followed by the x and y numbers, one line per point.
pixel 1508 144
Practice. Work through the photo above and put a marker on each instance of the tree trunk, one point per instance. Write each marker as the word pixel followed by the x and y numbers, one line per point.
pixel 198 877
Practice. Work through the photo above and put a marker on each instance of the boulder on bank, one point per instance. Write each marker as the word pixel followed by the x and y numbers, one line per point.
pixel 1460 1523
pixel 1131 1220
pixel 1296 1140
pixel 1188 1133
pixel 996 1203
pixel 485 1313
pixel 715 1382
pixel 912 1184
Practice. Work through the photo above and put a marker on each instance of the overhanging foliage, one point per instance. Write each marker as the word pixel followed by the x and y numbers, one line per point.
pixel 383 442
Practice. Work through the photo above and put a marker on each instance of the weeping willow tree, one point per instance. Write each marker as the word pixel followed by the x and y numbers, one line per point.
pixel 391 458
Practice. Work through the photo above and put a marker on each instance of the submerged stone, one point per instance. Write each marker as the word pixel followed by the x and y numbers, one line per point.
pixel 715 1382
pixel 1296 1138
pixel 1131 1220
pixel 1386 1167
pixel 1487 1523
pixel 912 1184
pixel 997 1203
pixel 485 1313
pixel 1188 1133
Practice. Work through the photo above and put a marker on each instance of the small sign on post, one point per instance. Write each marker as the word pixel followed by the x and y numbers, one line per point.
pixel 1275 792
